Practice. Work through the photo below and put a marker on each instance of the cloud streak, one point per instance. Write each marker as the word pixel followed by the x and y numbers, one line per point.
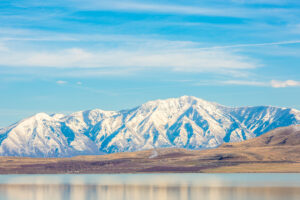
pixel 255 45
pixel 234 8
pixel 223 9
pixel 272 83
pixel 27 35
pixel 171 8
pixel 175 56
pixel 283 84
pixel 243 82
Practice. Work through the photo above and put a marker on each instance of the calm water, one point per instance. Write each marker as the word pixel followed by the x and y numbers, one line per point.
pixel 150 186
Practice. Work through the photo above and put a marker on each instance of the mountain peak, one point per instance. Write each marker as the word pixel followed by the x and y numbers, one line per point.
pixel 183 100
pixel 40 116
pixel 190 98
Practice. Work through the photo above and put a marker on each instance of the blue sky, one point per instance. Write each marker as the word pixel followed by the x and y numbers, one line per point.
pixel 65 56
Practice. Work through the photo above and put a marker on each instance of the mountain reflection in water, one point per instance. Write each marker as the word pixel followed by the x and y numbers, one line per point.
pixel 149 187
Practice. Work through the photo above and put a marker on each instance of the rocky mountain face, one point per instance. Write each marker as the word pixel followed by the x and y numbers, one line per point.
pixel 185 122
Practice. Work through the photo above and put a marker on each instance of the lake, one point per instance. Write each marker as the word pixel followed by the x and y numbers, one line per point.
pixel 150 187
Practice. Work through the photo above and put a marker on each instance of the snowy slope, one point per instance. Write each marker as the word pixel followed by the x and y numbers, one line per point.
pixel 185 122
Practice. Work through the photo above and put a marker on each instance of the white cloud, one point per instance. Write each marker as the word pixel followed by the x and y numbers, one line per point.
pixel 243 82
pixel 61 82
pixel 79 83
pixel 176 56
pixel 283 84
pixel 272 83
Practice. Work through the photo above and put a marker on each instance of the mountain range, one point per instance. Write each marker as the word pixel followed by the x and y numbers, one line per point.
pixel 185 122
pixel 277 151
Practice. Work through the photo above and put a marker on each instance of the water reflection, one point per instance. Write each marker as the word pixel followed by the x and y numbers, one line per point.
pixel 74 187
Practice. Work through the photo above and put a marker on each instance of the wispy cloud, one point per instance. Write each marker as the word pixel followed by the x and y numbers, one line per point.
pixel 255 44
pixel 135 6
pixel 272 83
pixel 169 8
pixel 223 9
pixel 283 84
pixel 175 56
pixel 61 82
pixel 243 82
pixel 131 54
pixel 271 2
pixel 28 35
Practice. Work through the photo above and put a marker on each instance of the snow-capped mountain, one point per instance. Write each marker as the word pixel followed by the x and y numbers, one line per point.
pixel 185 122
